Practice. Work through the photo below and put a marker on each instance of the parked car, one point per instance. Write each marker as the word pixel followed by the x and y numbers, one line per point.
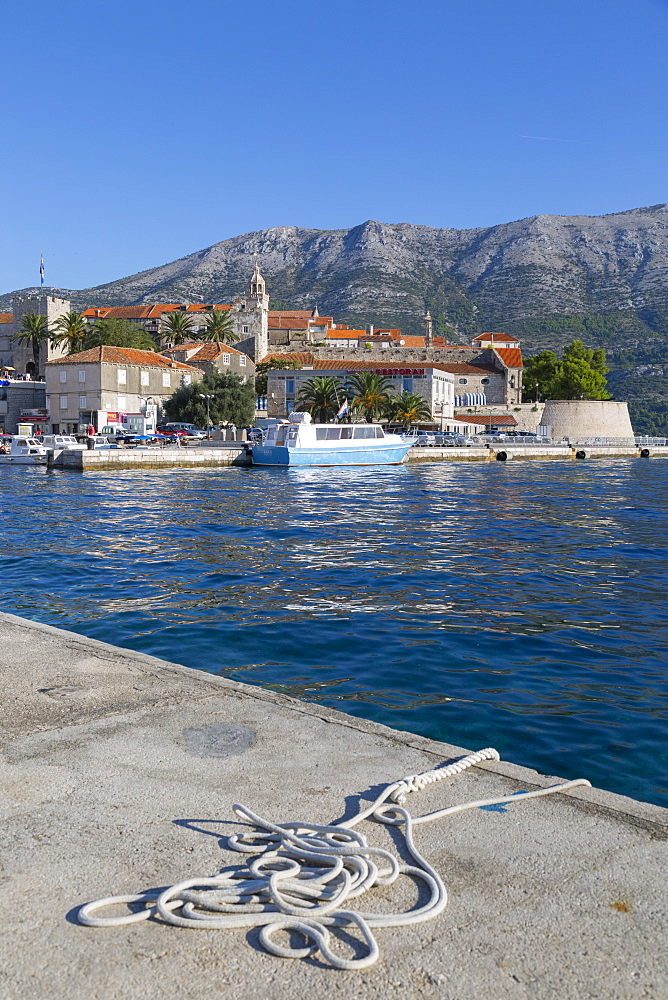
pixel 425 439
pixel 187 430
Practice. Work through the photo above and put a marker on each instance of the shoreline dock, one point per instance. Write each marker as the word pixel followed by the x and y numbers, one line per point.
pixel 213 457
pixel 119 770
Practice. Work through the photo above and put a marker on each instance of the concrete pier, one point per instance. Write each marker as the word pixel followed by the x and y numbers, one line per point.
pixel 211 457
pixel 118 772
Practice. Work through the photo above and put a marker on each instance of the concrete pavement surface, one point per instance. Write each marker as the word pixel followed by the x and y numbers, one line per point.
pixel 118 773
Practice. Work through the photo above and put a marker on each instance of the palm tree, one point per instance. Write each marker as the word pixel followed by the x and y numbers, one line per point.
pixel 369 393
pixel 33 332
pixel 219 326
pixel 177 327
pixel 321 397
pixel 407 409
pixel 71 329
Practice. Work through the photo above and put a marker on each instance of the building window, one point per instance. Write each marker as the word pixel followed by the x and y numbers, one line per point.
pixel 83 402
pixel 226 359
pixel 144 378
pixel 462 381
pixel 165 380
pixel 186 379
pixel 245 329
pixel 63 376
pixel 407 384
pixel 82 374
pixel 122 376
pixel 512 381
pixel 122 403
pixel 484 381
pixel 242 360
pixel 63 402
pixel 289 387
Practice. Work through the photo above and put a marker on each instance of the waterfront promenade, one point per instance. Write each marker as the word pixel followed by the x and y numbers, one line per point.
pixel 118 773
pixel 206 456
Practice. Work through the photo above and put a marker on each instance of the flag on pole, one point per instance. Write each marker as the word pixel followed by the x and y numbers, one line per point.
pixel 41 269
pixel 343 409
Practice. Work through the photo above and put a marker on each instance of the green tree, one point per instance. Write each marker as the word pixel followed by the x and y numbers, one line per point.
pixel 578 380
pixel 321 397
pixel 117 333
pixel 580 374
pixel 70 330
pixel 407 409
pixel 177 327
pixel 369 393
pixel 540 371
pixel 33 333
pixel 219 327
pixel 233 401
pixel 273 365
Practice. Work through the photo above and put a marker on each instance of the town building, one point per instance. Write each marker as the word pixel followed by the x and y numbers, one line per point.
pixel 19 357
pixel 210 357
pixel 21 401
pixel 105 384
pixel 430 381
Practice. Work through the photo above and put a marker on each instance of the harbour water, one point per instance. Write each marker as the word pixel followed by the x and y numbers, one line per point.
pixel 520 605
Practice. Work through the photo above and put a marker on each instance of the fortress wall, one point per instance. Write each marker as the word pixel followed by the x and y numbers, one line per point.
pixel 587 418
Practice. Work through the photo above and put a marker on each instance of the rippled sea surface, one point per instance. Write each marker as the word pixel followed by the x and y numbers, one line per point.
pixel 518 605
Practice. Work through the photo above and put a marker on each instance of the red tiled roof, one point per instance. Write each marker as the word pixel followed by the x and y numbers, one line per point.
pixel 410 341
pixel 117 312
pixel 511 357
pixel 206 351
pixel 346 364
pixel 294 313
pixel 6 317
pixel 120 356
pixel 497 336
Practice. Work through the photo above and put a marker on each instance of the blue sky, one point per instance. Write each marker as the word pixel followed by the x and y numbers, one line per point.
pixel 137 132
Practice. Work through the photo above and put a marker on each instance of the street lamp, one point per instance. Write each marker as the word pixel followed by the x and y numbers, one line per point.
pixel 208 419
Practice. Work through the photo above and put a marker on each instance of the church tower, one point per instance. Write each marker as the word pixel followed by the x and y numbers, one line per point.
pixel 251 318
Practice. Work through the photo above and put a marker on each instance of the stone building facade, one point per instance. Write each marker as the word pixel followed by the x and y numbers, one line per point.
pixel 431 382
pixel 102 385
pixel 19 356
pixel 494 376
pixel 211 357
pixel 23 401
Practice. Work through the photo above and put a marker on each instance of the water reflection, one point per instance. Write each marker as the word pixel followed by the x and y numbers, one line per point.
pixel 518 605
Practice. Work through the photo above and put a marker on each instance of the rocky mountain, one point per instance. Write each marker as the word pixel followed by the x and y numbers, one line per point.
pixel 546 278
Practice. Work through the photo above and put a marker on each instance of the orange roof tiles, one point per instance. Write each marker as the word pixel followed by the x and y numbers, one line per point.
pixel 6 317
pixel 508 337
pixel 294 313
pixel 510 356
pixel 120 356
pixel 462 368
pixel 205 350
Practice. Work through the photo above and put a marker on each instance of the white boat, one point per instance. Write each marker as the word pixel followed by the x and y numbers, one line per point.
pixel 23 451
pixel 298 442
pixel 62 442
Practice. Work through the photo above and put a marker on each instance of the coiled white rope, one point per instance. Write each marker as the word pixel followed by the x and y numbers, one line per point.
pixel 305 874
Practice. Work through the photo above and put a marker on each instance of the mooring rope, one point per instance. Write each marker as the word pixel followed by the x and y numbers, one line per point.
pixel 305 874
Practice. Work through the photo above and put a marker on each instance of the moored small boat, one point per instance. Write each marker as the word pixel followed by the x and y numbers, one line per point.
pixel 23 451
pixel 298 442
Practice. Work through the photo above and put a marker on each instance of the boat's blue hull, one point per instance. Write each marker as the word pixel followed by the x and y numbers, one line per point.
pixel 381 454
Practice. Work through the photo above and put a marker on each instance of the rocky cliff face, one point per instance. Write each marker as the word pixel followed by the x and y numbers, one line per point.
pixel 388 274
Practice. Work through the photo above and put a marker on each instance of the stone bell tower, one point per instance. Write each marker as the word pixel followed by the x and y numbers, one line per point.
pixel 428 329
pixel 251 318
